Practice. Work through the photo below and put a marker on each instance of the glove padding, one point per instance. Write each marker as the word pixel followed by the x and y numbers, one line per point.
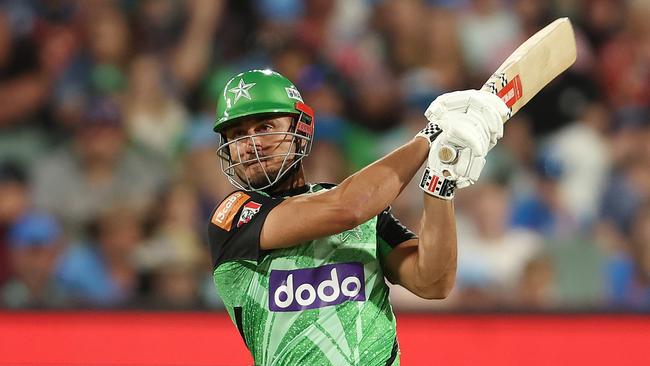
pixel 471 118
pixel 465 169
pixel 472 122
pixel 441 179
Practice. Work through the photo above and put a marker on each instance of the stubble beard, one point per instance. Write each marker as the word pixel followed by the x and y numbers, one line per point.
pixel 256 173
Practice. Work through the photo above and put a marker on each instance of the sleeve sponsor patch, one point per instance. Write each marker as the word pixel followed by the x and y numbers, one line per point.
pixel 250 209
pixel 227 210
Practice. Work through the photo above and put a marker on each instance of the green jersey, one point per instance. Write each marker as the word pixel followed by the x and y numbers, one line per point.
pixel 323 302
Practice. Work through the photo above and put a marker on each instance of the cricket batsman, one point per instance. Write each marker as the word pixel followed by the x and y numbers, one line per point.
pixel 301 266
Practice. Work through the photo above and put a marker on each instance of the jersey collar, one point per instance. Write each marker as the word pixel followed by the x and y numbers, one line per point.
pixel 293 191
pixel 307 188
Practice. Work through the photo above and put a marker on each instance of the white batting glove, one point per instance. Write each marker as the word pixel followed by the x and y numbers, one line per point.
pixel 472 122
pixel 434 182
pixel 471 117
pixel 440 179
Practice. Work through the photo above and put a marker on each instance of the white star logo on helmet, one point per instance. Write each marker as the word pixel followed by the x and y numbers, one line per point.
pixel 241 90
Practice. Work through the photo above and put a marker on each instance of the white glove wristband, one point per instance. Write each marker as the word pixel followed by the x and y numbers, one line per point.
pixel 431 183
pixel 437 185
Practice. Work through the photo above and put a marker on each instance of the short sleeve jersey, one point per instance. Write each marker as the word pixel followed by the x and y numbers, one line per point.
pixel 322 302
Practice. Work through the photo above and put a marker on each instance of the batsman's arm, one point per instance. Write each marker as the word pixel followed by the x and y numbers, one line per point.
pixel 426 266
pixel 357 199
pixel 473 121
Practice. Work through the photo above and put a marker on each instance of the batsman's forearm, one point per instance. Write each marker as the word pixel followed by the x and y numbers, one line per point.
pixel 374 188
pixel 437 249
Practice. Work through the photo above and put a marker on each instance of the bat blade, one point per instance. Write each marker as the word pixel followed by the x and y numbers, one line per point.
pixel 535 63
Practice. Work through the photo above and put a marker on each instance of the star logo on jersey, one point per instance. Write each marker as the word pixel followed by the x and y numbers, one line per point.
pixel 241 90
pixel 350 234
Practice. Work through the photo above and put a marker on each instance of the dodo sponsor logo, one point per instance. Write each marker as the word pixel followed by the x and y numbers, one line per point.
pixel 310 288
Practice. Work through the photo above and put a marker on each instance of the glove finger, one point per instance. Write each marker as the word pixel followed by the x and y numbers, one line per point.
pixel 463 163
pixel 435 111
pixel 470 138
pixel 476 167
pixel 492 102
pixel 469 165
pixel 482 123
pixel 489 113
pixel 493 143
pixel 488 123
pixel 443 123
pixel 495 122
pixel 487 117
pixel 458 100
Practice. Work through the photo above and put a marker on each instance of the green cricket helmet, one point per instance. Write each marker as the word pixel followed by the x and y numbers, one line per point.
pixel 257 93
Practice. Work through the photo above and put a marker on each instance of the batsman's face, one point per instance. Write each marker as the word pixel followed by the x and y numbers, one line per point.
pixel 262 145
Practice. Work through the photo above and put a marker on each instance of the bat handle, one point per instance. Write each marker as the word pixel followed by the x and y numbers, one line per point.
pixel 448 154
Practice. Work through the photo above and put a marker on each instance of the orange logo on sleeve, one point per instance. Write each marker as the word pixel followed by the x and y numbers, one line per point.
pixel 227 210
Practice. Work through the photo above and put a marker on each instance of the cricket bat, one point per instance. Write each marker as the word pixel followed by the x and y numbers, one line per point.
pixel 536 62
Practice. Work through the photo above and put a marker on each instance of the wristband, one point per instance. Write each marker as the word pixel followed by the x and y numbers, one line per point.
pixel 437 185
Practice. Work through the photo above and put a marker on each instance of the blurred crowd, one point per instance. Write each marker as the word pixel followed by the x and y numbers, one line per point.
pixel 108 170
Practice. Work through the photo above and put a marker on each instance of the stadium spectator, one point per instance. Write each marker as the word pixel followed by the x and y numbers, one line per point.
pixel 536 287
pixel 492 256
pixel 174 256
pixel 624 60
pixel 14 203
pixel 99 67
pixel 582 149
pixel 103 103
pixel 153 117
pixel 543 209
pixel 101 271
pixel 99 168
pixel 629 269
pixel 23 84
pixel 35 242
